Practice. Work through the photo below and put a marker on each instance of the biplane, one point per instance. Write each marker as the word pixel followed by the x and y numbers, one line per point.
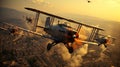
pixel 63 30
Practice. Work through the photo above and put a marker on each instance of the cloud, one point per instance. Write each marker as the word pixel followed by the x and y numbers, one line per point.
pixel 111 2
pixel 38 1
pixel 76 58
pixel 43 2
pixel 71 60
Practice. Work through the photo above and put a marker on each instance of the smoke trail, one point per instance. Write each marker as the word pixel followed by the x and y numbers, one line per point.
pixel 102 55
pixel 76 58
pixel 62 51
pixel 71 60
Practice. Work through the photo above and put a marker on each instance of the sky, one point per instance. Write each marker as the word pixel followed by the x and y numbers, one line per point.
pixel 105 9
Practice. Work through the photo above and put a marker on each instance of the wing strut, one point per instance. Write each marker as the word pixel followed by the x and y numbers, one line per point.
pixel 36 21
pixel 93 34
pixel 79 28
pixel 52 20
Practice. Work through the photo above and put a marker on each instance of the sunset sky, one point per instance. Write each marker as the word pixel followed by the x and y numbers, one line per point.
pixel 106 9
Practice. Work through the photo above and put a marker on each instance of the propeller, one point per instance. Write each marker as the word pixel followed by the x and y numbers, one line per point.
pixel 77 43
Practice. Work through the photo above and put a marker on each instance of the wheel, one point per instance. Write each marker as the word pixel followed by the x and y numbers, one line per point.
pixel 70 49
pixel 49 46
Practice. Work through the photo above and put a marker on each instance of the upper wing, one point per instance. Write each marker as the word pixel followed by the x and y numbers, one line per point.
pixel 59 17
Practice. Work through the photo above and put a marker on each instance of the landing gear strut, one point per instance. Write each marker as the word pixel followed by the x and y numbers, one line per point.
pixel 49 46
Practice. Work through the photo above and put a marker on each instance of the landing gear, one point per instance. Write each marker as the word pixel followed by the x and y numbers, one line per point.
pixel 70 49
pixel 49 46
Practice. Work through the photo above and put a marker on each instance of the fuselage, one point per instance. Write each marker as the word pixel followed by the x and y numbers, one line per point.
pixel 59 32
